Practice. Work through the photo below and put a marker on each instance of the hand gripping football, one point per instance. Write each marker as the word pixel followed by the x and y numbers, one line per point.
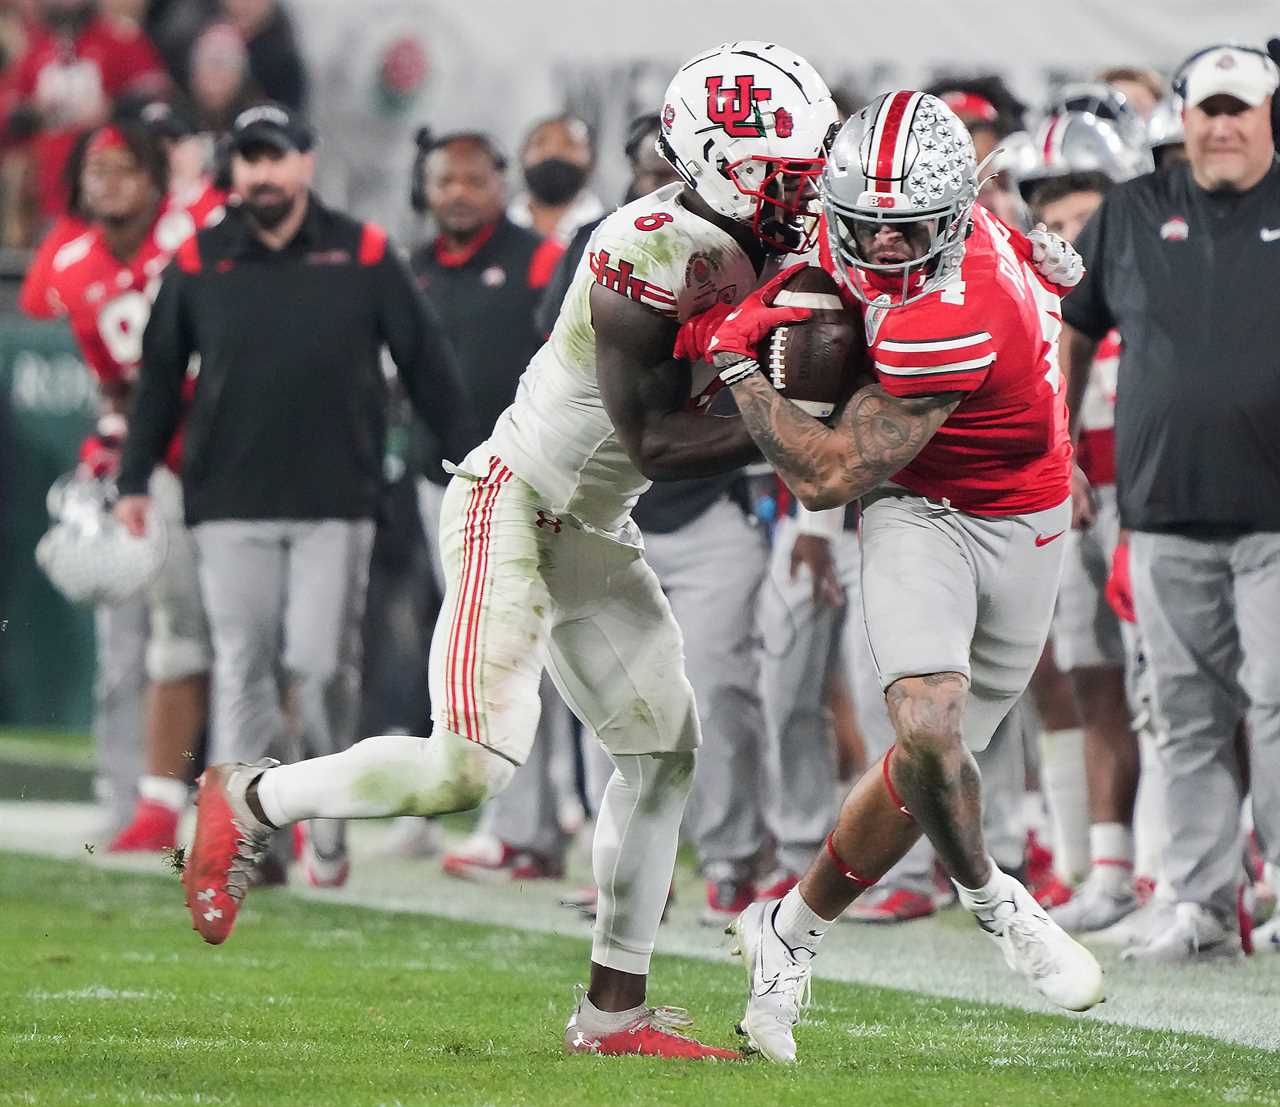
pixel 814 363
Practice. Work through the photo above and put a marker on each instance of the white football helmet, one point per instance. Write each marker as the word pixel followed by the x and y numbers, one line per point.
pixel 86 554
pixel 746 126
pixel 904 162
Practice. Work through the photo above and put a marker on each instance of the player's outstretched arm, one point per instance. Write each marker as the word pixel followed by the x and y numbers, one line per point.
pixel 875 435
pixel 646 392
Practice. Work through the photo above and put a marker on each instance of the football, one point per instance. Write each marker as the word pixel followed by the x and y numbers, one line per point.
pixel 814 363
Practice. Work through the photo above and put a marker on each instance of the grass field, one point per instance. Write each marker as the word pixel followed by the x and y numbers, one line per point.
pixel 106 996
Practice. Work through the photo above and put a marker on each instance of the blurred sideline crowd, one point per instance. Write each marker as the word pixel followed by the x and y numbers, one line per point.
pixel 788 695
pixel 67 66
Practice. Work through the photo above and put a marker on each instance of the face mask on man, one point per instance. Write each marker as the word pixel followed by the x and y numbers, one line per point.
pixel 554 180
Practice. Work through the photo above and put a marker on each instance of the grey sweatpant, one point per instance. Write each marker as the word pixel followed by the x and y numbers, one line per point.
pixel 284 599
pixel 800 641
pixel 710 570
pixel 119 683
pixel 1209 612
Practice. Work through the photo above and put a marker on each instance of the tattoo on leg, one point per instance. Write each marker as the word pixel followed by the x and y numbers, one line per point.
pixel 935 773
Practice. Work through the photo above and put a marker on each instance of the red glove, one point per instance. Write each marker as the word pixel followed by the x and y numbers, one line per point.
pixel 100 455
pixel 1119 591
pixel 751 320
pixel 696 332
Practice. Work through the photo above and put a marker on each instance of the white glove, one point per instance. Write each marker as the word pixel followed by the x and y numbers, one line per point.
pixel 1055 257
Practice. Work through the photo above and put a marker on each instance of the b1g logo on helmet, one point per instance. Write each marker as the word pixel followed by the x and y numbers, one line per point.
pixel 733 107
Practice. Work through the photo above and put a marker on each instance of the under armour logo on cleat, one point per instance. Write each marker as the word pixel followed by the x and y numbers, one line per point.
pixel 213 913
pixel 552 522
pixel 207 895
pixel 581 1040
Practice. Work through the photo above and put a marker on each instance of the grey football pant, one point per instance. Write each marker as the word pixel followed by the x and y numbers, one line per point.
pixel 1210 616
pixel 711 570
pixel 284 599
pixel 798 645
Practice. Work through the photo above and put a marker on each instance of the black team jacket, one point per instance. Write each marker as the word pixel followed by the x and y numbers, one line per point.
pixel 287 416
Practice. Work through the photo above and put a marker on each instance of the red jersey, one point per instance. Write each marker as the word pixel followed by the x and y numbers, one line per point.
pixel 991 333
pixel 1096 449
pixel 33 297
pixel 108 301
pixel 71 82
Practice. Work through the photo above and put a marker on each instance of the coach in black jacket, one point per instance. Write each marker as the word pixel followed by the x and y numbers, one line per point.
pixel 286 305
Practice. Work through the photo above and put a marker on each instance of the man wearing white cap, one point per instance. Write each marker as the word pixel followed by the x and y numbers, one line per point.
pixel 1184 262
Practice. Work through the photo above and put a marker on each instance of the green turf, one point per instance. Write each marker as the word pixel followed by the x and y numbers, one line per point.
pixel 106 996
pixel 68 749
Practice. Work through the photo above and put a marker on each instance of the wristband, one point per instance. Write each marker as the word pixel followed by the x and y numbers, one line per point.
pixel 827 524
pixel 739 370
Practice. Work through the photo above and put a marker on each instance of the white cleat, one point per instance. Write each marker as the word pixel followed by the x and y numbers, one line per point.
pixel 1101 901
pixel 1266 938
pixel 1193 933
pixel 778 982
pixel 1053 962
pixel 1147 921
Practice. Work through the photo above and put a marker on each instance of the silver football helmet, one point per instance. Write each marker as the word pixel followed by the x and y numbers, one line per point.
pixel 904 164
pixel 1164 125
pixel 1105 102
pixel 86 554
pixel 746 126
pixel 1080 142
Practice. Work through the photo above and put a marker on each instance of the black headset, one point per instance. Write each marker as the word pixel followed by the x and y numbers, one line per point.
pixel 1179 84
pixel 426 142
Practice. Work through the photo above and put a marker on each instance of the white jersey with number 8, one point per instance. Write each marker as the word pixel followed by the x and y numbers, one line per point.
pixel 556 435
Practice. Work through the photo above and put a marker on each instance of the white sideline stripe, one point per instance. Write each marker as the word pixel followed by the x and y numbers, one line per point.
pixel 936 344
pixel 943 956
pixel 929 370
pixel 819 301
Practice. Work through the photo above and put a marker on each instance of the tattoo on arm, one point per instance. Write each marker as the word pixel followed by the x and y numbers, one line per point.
pixel 876 435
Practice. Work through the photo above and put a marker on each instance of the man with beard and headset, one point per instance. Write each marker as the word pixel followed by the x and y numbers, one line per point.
pixel 287 305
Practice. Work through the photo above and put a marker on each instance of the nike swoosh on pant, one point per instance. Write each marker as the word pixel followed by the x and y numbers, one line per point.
pixel 1044 540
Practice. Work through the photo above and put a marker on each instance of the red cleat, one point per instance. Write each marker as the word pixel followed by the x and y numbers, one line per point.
pixel 899 905
pixel 726 900
pixel 229 842
pixel 154 827
pixel 491 861
pixel 777 885
pixel 321 870
pixel 1051 892
pixel 653 1034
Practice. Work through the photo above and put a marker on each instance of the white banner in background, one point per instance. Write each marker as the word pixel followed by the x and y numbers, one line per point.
pixel 381 68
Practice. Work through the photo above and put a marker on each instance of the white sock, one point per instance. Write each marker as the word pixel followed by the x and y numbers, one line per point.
pixel 633 855
pixel 996 887
pixel 1111 844
pixel 594 1021
pixel 798 926
pixel 164 790
pixel 1066 793
pixel 392 774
